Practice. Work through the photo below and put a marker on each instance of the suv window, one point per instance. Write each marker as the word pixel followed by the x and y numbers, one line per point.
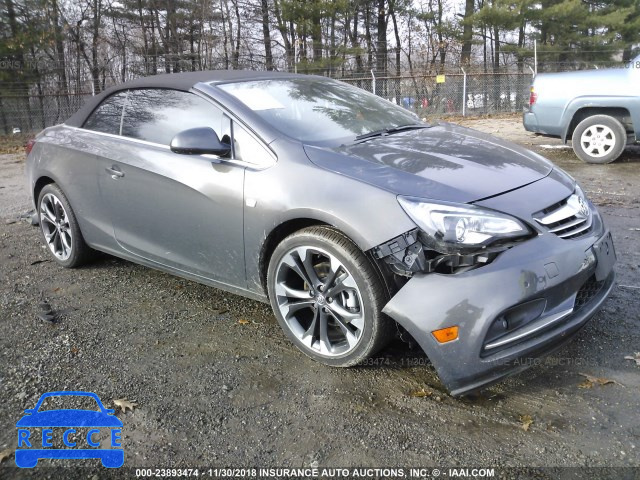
pixel 157 115
pixel 107 117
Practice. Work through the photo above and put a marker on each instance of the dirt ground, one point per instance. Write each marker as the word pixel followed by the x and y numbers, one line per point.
pixel 217 384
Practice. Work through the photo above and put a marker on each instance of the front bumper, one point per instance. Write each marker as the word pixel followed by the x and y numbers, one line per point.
pixel 545 267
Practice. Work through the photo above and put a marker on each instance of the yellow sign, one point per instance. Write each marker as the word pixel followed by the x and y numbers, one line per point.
pixel 440 79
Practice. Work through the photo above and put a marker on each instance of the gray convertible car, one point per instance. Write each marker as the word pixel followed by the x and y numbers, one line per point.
pixel 353 218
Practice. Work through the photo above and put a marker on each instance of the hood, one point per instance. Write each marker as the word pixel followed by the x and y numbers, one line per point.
pixel 445 162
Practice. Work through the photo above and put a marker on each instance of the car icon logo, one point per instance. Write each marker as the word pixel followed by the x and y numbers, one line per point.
pixel 70 433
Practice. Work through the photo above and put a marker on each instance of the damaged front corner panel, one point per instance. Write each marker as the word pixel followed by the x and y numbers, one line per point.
pixel 413 252
pixel 403 254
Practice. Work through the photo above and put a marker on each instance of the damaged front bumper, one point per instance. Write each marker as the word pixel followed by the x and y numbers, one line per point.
pixel 528 301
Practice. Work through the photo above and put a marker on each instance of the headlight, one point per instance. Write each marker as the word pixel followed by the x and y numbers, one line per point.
pixel 461 225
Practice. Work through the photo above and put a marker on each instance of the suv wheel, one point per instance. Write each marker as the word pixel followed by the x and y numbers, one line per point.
pixel 328 297
pixel 599 139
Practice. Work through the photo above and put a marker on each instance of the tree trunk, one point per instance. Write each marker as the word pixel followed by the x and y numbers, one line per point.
pixel 225 39
pixel 381 54
pixel 316 32
pixel 282 28
pixel 266 35
pixel 59 55
pixel 467 32
pixel 236 48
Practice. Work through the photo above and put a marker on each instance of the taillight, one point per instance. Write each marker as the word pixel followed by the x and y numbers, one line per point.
pixel 29 146
pixel 533 97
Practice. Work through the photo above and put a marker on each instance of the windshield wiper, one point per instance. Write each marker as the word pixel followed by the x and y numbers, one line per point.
pixel 391 130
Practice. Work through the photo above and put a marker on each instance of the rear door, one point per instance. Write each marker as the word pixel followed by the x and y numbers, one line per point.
pixel 181 211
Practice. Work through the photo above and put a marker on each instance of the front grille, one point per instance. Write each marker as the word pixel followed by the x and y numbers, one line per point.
pixel 587 292
pixel 569 218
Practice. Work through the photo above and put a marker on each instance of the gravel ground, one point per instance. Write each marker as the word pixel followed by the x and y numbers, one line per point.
pixel 217 383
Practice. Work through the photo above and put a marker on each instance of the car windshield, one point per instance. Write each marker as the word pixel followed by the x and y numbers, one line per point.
pixel 69 402
pixel 319 110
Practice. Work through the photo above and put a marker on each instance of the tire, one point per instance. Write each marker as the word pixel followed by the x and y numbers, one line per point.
pixel 599 139
pixel 331 309
pixel 59 228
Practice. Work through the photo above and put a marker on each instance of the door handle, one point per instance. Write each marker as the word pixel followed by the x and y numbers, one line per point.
pixel 115 172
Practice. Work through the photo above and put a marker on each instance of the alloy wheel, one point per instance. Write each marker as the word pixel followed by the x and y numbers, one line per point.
pixel 319 301
pixel 56 227
pixel 598 140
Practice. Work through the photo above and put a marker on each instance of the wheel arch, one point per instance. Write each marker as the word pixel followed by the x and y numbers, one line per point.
pixel 277 234
pixel 580 113
pixel 39 184
pixel 288 227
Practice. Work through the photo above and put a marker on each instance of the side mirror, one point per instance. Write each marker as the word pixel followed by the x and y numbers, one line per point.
pixel 199 141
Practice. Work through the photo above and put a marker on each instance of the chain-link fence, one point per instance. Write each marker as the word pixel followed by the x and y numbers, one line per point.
pixel 452 94
pixel 427 95
pixel 35 112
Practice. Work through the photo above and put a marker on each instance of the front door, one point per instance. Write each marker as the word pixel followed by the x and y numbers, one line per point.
pixel 182 211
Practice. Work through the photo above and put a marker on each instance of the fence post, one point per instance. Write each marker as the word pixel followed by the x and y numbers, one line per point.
pixel 464 92
pixel 373 82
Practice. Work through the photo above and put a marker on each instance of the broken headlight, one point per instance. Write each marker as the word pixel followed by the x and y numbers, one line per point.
pixel 453 227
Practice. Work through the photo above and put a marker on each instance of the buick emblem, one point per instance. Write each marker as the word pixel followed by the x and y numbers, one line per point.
pixel 579 206
pixel 584 208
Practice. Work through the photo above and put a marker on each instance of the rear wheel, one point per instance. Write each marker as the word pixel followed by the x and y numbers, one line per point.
pixel 328 297
pixel 599 139
pixel 60 229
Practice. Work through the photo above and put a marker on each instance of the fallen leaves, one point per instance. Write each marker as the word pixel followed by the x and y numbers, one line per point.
pixel 243 321
pixel 6 453
pixel 526 421
pixel 635 358
pixel 125 404
pixel 11 149
pixel 421 393
pixel 591 381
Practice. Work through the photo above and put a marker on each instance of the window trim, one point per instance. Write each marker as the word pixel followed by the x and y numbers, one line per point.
pixel 126 96
pixel 234 118
pixel 124 107
pixel 225 111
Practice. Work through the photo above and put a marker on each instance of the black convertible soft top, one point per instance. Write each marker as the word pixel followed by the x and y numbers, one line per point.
pixel 177 81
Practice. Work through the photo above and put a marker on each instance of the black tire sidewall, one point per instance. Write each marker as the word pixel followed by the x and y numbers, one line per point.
pixel 370 300
pixel 78 245
pixel 616 127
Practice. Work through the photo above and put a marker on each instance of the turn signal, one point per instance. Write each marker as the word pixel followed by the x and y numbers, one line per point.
pixel 445 335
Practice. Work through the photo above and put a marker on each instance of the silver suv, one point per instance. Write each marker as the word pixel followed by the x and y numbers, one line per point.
pixel 598 110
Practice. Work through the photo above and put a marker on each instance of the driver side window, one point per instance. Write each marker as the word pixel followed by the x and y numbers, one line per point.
pixel 157 114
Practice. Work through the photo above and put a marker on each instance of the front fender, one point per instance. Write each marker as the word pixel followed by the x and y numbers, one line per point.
pixel 301 191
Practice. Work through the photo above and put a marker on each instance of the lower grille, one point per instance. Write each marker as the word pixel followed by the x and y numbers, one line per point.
pixel 587 292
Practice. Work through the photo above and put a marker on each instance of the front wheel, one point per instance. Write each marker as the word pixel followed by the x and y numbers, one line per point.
pixel 328 297
pixel 599 139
